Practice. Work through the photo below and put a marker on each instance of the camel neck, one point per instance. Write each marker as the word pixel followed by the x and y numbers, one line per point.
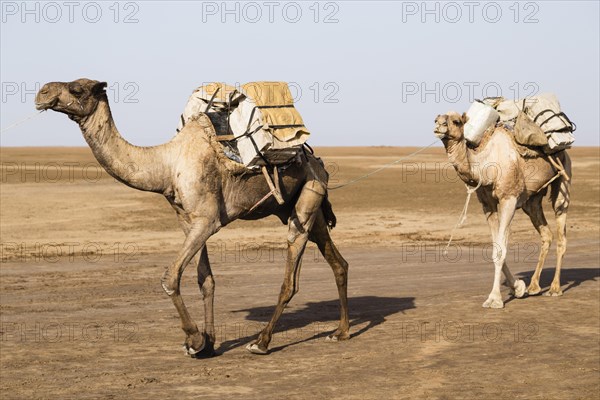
pixel 142 168
pixel 459 156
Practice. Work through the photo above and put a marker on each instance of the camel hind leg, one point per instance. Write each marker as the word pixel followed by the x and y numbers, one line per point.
pixel 320 235
pixel 299 226
pixel 560 198
pixel 533 208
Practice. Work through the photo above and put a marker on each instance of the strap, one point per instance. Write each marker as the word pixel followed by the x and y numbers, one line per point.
pixel 281 106
pixel 260 201
pixel 274 190
pixel 229 112
pixel 554 115
pixel 309 148
pixel 549 182
pixel 561 115
pixel 210 102
pixel 559 167
pixel 250 119
pixel 260 154
pixel 248 133
pixel 286 126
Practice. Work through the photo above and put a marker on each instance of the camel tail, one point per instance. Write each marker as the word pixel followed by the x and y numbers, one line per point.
pixel 328 213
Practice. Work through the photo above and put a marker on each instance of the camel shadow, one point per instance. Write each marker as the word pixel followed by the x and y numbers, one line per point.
pixel 372 310
pixel 571 277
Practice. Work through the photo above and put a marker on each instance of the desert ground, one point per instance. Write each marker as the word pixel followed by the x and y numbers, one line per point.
pixel 83 314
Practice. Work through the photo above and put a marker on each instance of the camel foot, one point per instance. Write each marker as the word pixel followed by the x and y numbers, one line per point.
pixel 190 351
pixel 520 289
pixel 492 302
pixel 533 290
pixel 207 352
pixel 255 348
pixel 554 293
pixel 205 349
pixel 338 336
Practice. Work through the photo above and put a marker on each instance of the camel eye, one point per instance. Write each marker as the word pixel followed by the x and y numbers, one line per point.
pixel 75 89
pixel 456 122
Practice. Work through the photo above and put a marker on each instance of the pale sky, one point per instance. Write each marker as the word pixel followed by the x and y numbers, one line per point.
pixel 364 73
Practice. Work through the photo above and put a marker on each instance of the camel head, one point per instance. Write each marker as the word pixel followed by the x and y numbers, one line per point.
pixel 77 99
pixel 450 125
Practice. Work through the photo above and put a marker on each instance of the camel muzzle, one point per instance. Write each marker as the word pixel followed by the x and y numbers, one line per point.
pixel 44 106
pixel 440 131
pixel 40 104
pixel 441 127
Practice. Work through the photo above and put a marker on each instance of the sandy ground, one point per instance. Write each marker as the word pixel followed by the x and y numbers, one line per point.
pixel 83 315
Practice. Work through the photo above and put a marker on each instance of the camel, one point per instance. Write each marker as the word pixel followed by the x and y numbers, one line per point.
pixel 207 192
pixel 505 181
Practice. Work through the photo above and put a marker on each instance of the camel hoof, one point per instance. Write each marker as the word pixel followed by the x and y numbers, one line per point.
pixel 256 349
pixel 190 351
pixel 532 291
pixel 519 289
pixel 207 349
pixel 554 293
pixel 337 337
pixel 493 303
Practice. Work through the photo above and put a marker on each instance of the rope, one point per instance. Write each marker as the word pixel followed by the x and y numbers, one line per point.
pixel 37 113
pixel 360 178
pixel 463 215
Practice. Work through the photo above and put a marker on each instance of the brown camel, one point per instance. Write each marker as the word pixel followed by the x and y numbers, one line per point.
pixel 505 181
pixel 207 192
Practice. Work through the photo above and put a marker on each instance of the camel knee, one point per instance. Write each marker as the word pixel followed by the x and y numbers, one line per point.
pixel 297 229
pixel 287 292
pixel 341 279
pixel 345 266
pixel 310 199
pixel 207 286
pixel 498 254
pixel 169 284
pixel 547 238
pixel 561 247
pixel 341 274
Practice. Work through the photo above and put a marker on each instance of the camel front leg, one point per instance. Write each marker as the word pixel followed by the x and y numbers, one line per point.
pixel 299 225
pixel 199 232
pixel 506 212
pixel 206 283
pixel 491 214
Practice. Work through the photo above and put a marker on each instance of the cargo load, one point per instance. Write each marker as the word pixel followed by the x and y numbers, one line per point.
pixel 257 122
pixel 536 121
pixel 481 117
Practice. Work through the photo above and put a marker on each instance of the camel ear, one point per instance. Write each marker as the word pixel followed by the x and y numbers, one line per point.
pixel 464 118
pixel 98 87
